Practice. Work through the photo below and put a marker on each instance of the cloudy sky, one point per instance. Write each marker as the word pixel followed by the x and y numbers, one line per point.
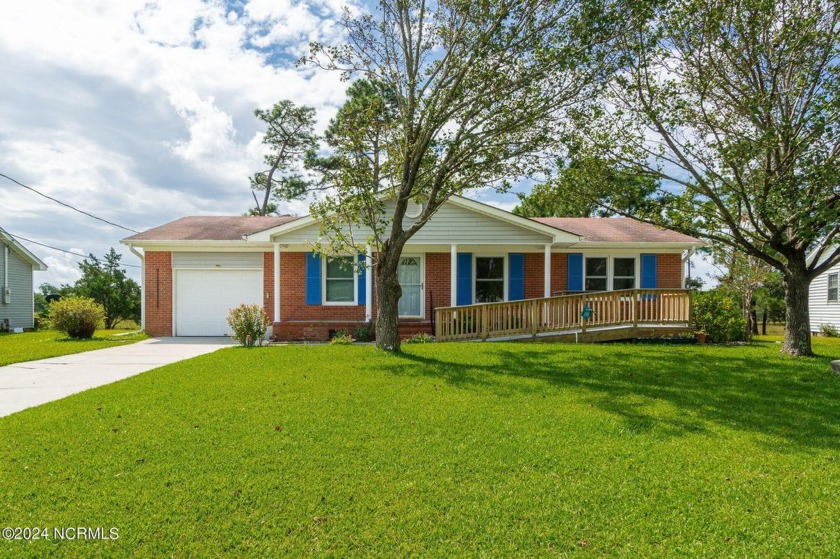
pixel 142 112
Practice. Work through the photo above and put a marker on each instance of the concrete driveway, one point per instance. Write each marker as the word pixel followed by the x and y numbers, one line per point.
pixel 29 384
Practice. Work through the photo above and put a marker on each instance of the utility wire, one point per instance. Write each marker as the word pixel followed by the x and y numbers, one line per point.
pixel 67 205
pixel 61 249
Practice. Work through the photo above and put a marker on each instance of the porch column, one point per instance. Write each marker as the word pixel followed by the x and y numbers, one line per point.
pixel 369 283
pixel 276 282
pixel 547 272
pixel 453 276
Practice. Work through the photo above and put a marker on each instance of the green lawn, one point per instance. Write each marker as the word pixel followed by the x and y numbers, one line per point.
pixel 42 344
pixel 450 450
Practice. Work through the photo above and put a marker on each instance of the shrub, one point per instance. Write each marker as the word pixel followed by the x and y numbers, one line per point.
pixel 249 324
pixel 719 315
pixel 421 338
pixel 829 331
pixel 364 333
pixel 78 317
pixel 341 338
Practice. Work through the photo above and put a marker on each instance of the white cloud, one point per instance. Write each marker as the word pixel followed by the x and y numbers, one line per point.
pixel 142 112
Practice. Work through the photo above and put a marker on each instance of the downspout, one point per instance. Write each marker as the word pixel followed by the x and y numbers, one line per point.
pixel 687 258
pixel 5 273
pixel 142 286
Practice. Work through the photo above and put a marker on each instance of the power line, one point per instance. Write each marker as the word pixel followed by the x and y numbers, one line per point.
pixel 67 205
pixel 61 249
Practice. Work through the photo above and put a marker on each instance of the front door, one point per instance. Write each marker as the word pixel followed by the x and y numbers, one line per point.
pixel 410 273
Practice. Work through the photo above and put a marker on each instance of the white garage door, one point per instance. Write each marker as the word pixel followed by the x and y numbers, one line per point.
pixel 204 297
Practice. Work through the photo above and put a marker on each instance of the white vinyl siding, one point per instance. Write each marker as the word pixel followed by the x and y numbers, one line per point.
pixel 214 260
pixel 19 309
pixel 821 309
pixel 451 224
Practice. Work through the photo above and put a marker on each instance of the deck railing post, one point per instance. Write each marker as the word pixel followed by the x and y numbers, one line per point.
pixel 484 323
pixel 534 317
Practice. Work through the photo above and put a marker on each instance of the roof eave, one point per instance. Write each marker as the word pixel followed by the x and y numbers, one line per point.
pixel 36 263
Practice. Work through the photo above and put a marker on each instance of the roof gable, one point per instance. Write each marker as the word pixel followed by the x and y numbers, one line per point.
pixel 22 251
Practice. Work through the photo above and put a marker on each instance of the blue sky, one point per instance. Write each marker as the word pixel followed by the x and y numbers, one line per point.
pixel 142 112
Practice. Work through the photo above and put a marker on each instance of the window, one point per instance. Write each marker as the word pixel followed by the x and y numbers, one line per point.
pixel 340 281
pixel 596 274
pixel 624 273
pixel 832 288
pixel 489 279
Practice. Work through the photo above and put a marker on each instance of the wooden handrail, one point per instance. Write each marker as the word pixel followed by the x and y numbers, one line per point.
pixel 556 314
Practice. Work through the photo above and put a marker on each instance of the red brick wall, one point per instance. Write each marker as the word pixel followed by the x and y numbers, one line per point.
pixel 559 272
pixel 669 271
pixel 293 295
pixel 437 281
pixel 268 284
pixel 158 285
pixel 534 274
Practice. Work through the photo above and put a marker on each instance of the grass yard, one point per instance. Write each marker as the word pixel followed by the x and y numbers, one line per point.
pixel 42 344
pixel 450 450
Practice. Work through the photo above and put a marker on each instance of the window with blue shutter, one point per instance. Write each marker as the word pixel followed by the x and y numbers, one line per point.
pixel 648 277
pixel 362 283
pixel 575 264
pixel 464 279
pixel 516 276
pixel 313 279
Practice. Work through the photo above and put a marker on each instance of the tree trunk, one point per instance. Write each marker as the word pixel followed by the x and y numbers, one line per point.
pixel 797 320
pixel 764 322
pixel 388 293
pixel 753 317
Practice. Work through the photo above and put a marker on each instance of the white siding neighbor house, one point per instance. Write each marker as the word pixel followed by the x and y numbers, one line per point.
pixel 17 266
pixel 824 299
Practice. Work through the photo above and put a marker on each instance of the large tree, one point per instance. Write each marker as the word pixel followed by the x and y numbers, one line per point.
pixel 734 106
pixel 587 187
pixel 478 88
pixel 290 137
pixel 108 284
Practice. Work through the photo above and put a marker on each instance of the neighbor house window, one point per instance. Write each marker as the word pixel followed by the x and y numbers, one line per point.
pixel 340 280
pixel 489 279
pixel 596 274
pixel 624 273
pixel 832 288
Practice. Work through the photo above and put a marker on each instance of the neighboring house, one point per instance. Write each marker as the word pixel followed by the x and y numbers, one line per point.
pixel 196 268
pixel 17 300
pixel 824 299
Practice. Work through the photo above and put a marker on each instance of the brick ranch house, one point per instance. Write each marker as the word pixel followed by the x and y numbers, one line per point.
pixel 196 268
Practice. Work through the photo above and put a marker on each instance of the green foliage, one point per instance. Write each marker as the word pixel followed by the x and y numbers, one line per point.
pixel 364 333
pixel 249 324
pixel 42 306
pixel 587 187
pixel 109 285
pixel 719 315
pixel 420 338
pixel 78 317
pixel 451 450
pixel 290 137
pixel 733 106
pixel 829 331
pixel 342 338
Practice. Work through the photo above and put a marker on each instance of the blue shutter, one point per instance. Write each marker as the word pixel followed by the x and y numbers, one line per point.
pixel 648 277
pixel 362 281
pixel 516 276
pixel 464 280
pixel 313 279
pixel 575 272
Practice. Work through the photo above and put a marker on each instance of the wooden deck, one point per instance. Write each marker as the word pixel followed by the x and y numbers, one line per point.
pixel 631 310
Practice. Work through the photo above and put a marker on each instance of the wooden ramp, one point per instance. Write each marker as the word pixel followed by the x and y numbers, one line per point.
pixel 591 317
